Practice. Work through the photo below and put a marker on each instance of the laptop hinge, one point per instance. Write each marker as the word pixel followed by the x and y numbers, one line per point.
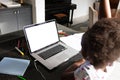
pixel 46 47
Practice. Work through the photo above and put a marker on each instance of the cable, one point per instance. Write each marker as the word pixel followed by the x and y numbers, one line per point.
pixel 39 70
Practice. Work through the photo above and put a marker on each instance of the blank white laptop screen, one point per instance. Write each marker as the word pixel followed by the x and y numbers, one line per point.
pixel 41 35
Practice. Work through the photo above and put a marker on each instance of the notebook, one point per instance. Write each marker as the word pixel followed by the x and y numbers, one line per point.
pixel 13 66
pixel 45 46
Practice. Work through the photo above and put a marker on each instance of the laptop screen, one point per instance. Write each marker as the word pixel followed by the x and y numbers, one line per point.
pixel 41 35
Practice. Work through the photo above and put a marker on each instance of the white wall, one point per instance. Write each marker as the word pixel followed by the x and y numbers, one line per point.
pixel 80 14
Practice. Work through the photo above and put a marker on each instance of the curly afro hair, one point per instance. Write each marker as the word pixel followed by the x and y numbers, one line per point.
pixel 101 43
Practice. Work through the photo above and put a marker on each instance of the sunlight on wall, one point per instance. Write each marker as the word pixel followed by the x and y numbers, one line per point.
pixel 38 7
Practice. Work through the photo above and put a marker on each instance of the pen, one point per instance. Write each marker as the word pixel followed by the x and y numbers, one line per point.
pixel 21 78
pixel 19 51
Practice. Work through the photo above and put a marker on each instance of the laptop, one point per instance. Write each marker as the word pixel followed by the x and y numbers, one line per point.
pixel 45 46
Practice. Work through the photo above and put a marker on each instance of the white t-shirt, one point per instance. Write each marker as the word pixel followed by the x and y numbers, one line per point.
pixel 88 72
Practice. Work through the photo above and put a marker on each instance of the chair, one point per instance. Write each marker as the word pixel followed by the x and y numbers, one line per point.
pixel 62 18
pixel 93 16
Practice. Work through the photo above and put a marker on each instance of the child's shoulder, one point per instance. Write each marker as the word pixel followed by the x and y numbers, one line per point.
pixel 87 72
pixel 81 73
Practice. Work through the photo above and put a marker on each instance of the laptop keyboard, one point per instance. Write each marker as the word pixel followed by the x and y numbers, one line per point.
pixel 52 51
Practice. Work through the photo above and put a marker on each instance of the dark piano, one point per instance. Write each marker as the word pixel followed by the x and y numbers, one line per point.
pixel 59 7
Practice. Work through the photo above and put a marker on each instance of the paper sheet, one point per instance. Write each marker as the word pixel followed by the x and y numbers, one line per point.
pixel 73 41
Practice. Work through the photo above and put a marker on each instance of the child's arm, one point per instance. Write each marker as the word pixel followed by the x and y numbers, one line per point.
pixel 69 72
pixel 75 65
pixel 107 8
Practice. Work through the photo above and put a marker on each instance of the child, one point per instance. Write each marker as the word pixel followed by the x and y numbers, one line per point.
pixel 100 48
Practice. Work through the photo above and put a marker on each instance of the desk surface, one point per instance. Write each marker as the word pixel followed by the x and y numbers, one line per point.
pixel 7 50
pixel 31 72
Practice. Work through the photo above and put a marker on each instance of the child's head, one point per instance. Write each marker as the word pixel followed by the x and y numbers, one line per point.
pixel 101 43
